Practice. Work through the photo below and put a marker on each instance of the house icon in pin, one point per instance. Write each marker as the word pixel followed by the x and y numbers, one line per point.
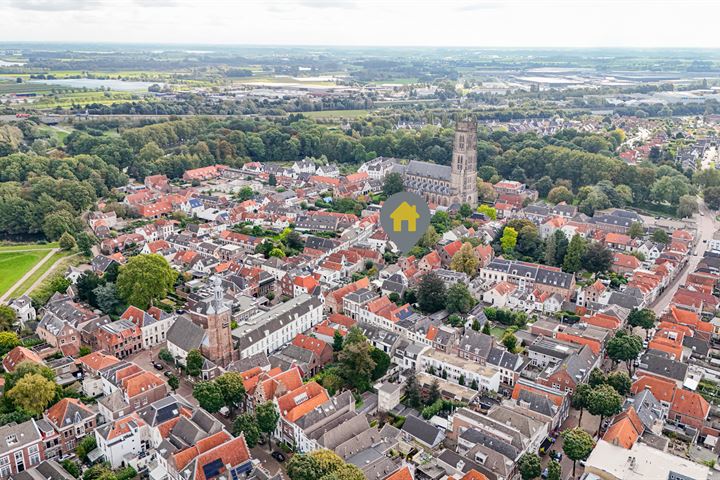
pixel 404 213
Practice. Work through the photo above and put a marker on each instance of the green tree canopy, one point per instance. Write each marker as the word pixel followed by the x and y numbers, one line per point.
pixel 145 279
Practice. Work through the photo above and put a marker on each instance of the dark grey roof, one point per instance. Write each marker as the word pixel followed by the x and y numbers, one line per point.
pixel 648 408
pixel 319 243
pixel 185 334
pixel 624 300
pixel 244 364
pixel 428 170
pixel 654 362
pixel 494 443
pixel 504 359
pixel 162 410
pixel 421 430
pixel 14 435
pixel 48 469
pixel 476 343
pixel 699 347
pixel 537 403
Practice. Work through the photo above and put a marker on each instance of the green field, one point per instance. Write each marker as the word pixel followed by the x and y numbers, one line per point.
pixel 13 265
pixel 58 258
pixel 28 246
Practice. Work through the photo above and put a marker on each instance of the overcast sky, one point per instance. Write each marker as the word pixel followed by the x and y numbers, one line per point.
pixel 483 23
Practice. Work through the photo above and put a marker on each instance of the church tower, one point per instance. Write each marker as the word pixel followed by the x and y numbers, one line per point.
pixel 214 314
pixel 463 177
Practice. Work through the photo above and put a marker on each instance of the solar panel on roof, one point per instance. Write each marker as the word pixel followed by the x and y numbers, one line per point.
pixel 212 469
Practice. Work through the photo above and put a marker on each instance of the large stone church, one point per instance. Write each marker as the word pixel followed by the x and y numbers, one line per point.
pixel 446 185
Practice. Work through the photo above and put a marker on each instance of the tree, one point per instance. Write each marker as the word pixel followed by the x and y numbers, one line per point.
pixel 433 393
pixel 636 230
pixel 554 470
pixel 85 446
pixel 27 368
pixel 604 401
pixel 393 183
pixel 660 236
pixel 67 241
pixel 508 239
pixel 304 467
pixel 165 355
pixel 488 211
pixel 7 318
pixel 209 395
pixel 60 222
pixel 625 348
pixel 597 258
pixel 431 293
pixel 357 364
pixel 173 382
pixel 247 425
pixel 529 466
pixel 106 297
pixel 412 392
pixel 194 362
pixel 577 445
pixel 486 328
pixel 272 180
pixel 382 363
pixel 643 318
pixel 459 299
pixel 620 381
pixel 430 238
pixel 580 399
pixel 86 286
pixel 509 340
pixel 337 341
pixel 560 194
pixel 84 350
pixel 267 419
pixel 71 467
pixel 575 252
pixel 529 242
pixel 33 393
pixel 687 206
pixel 145 279
pixel 597 377
pixel 711 195
pixel 670 189
pixel 232 389
pixel 465 260
pixel 8 341
pixel 465 210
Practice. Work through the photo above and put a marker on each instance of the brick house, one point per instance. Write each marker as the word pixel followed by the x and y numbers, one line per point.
pixel 72 420
pixel 322 350
pixel 120 338
pixel 21 447
pixel 689 409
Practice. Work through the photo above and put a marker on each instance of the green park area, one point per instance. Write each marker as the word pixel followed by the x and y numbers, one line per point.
pixel 17 260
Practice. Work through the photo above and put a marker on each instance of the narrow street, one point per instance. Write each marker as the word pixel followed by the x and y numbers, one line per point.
pixel 706 227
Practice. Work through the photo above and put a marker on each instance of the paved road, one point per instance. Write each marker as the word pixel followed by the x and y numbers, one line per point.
pixel 706 227
pixel 48 272
pixel 29 273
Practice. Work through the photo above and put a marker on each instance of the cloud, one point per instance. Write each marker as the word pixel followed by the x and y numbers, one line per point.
pixel 54 5
pixel 480 5
pixel 158 3
pixel 341 4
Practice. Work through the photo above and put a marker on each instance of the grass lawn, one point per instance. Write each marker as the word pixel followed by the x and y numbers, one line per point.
pixel 497 332
pixel 57 257
pixel 28 246
pixel 13 265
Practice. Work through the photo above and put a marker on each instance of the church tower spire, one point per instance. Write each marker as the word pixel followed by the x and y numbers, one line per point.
pixel 463 176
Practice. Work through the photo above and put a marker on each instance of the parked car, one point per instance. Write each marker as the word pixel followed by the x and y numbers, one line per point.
pixel 158 366
pixel 279 456
pixel 555 455
pixel 168 374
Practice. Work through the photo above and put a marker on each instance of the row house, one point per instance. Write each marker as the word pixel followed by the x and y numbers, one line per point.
pixel 72 420
pixel 247 243
pixel 568 374
pixel 529 276
pixel 120 338
pixel 127 388
pixel 458 370
pixel 22 447
pixel 91 365
pixel 269 331
pixel 154 324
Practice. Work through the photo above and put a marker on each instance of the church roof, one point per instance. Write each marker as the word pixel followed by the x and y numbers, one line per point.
pixel 430 170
